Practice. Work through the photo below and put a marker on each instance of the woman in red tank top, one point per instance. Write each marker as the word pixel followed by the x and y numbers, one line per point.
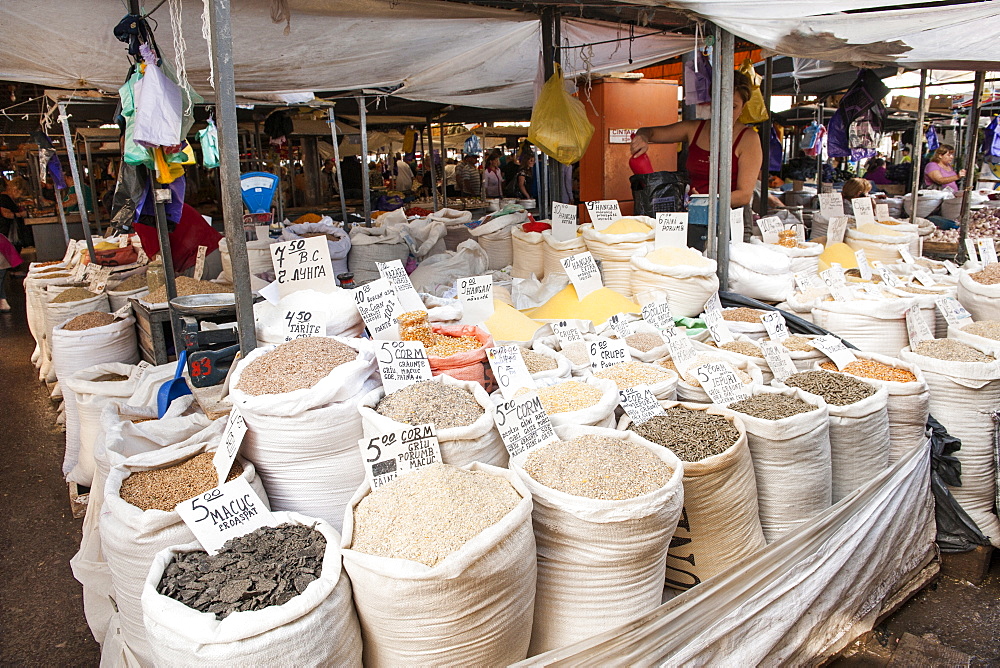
pixel 747 154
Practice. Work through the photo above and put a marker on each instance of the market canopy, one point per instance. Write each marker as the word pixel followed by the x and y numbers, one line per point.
pixel 444 52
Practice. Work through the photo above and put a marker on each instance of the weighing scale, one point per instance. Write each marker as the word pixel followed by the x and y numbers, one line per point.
pixel 210 353
pixel 258 190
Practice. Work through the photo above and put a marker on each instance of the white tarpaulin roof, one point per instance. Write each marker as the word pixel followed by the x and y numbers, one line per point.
pixel 442 52
pixel 957 36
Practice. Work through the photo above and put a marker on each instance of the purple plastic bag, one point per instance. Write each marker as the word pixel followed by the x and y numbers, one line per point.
pixel 776 156
pixel 932 139
pixel 147 207
pixel 991 145
pixel 698 84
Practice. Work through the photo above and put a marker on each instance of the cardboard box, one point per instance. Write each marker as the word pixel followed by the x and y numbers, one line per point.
pixel 904 103
pixel 941 103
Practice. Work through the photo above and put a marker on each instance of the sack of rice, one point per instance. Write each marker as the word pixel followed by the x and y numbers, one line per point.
pixel 684 274
pixel 759 272
pixel 553 252
pixel 527 253
pixel 979 292
pixel 615 245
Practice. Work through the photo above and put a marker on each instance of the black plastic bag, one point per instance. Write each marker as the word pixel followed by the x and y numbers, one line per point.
pixel 657 192
pixel 129 191
pixel 956 531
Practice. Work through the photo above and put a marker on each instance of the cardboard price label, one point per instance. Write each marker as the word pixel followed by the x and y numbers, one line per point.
pixel 476 295
pixel 864 213
pixel 832 277
pixel 70 249
pixel 987 250
pixel 509 370
pixel 721 383
pixel 232 438
pixel 907 256
pixel 681 349
pixel 881 211
pixel 917 328
pixel 199 263
pixel 583 273
pixel 378 306
pixel 951 267
pixel 603 213
pixel 303 264
pixel 717 327
pixel 396 275
pixel 303 324
pixel 123 241
pixel 523 425
pixel 778 359
pixel 621 325
pixel 770 227
pixel 658 315
pixel 395 453
pixel 714 303
pixel 402 363
pixel 805 281
pixel 925 277
pixel 123 311
pixel 970 250
pixel 863 266
pixel 835 230
pixel 952 311
pixel 564 218
pixel 605 353
pixel 566 333
pixel 99 279
pixel 736 225
pixel 225 512
pixel 889 279
pixel 639 403
pixel 835 349
pixel 671 229
pixel 831 205
pixel 774 323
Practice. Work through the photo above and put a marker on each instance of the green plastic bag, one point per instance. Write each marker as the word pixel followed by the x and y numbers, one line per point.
pixel 209 138
pixel 559 125
pixel 134 153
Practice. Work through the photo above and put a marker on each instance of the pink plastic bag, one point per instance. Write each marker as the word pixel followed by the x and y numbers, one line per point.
pixel 463 366
pixel 158 106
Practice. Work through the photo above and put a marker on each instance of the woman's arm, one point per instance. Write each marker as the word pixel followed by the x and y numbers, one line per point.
pixel 749 158
pixel 937 177
pixel 662 134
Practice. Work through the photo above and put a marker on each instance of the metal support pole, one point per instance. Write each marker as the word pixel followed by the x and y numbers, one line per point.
pixel 80 199
pixel 365 186
pixel 62 215
pixel 430 164
pixel 444 167
pixel 336 158
pixel 224 82
pixel 765 138
pixel 917 149
pixel 160 197
pixel 971 172
pixel 725 46
pixel 714 133
pixel 819 153
pixel 93 187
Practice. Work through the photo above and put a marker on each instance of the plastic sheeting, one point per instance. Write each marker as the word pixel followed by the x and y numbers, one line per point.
pixel 444 52
pixel 807 594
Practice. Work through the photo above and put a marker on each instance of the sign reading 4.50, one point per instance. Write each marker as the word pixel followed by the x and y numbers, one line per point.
pixel 302 264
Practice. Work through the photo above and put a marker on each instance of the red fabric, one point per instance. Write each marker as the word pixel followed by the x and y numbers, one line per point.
pixel 536 227
pixel 698 162
pixel 191 231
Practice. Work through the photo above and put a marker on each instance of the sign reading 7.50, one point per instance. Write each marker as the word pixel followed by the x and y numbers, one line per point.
pixel 303 264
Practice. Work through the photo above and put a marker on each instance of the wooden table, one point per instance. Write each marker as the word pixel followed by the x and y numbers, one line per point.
pixel 152 329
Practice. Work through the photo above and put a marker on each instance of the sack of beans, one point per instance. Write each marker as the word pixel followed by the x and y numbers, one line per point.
pixel 760 272
pixel 337 309
pixel 92 388
pixel 300 402
pixel 553 252
pixel 130 286
pixel 605 503
pixel 662 382
pixel 719 527
pixel 983 335
pixel 964 384
pixel 683 273
pixel 615 245
pixel 979 292
pixel 859 426
pixel 459 351
pixel 742 349
pixel 125 432
pixel 788 433
pixel 689 387
pixel 81 342
pixel 65 303
pixel 908 401
pixel 585 402
pixel 139 520
pixel 874 326
pixel 452 552
pixel 528 259
pixel 308 619
pixel 460 410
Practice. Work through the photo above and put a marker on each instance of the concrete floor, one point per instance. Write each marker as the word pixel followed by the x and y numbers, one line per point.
pixel 41 608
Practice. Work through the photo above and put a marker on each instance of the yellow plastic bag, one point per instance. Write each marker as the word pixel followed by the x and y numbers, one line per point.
pixel 754 111
pixel 559 124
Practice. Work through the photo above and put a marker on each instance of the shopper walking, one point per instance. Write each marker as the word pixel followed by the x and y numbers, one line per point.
pixel 492 177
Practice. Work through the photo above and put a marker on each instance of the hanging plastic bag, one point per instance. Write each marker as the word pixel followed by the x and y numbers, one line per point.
pixel 409 140
pixel 158 106
pixel 776 156
pixel 698 80
pixel 134 153
pixel 755 110
pixel 932 138
pixel 991 143
pixel 472 146
pixel 559 125
pixel 857 124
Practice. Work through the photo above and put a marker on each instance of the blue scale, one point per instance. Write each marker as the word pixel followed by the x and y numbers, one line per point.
pixel 258 190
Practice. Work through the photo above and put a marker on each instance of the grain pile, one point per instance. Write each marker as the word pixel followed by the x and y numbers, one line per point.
pixel 691 435
pixel 414 326
pixel 163 489
pixel 990 275
pixel 989 329
pixel 644 341
pixel 951 351
pixel 742 314
pixel 743 348
pixel 577 352
pixel 131 283
pixel 598 467
pixel 771 406
pixel 444 406
pixel 571 395
pixel 837 389
pixel 109 378
pixel 73 295
pixel 798 343
pixel 187 286
pixel 536 362
pixel 294 365
pixel 89 321
pixel 269 566
pixel 426 515
pixel 630 374
pixel 691 378
pixel 875 370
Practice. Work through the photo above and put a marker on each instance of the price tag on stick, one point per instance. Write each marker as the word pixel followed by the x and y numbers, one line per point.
pixel 778 359
pixel 835 230
pixel 509 370
pixel 987 250
pixel 970 250
pixel 658 315
pixel 621 325
pixel 831 205
pixel 70 249
pixel 394 272
pixel 225 512
pixel 774 323
pixel 476 295
pixel 889 279
pixel 583 272
pixel 863 266
pixel 770 227
pixel 605 353
pixel 395 453
pixel 721 383
pixel 835 349
pixel 681 349
pixel 232 438
pixel 603 213
pixel 671 230
pixel 303 264
pixel 402 363
pixel 717 327
pixel 564 221
pixel 881 211
pixel 99 279
pixel 952 311
pixel 302 324
pixel 864 213
pixel 566 333
pixel 907 256
pixel 916 327
pixel 199 263
pixel 639 403
pixel 378 306
pixel 523 425
pixel 736 225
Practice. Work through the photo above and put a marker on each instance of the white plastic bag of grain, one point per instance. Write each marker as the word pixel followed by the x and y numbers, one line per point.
pixel 92 388
pixel 689 388
pixel 908 405
pixel 964 398
pixel 759 272
pixel 528 256
pixel 804 359
pixel 709 348
pixel 477 442
pixel 316 628
pixel 130 537
pixel 665 389
pixel 474 608
pixel 57 313
pixel 339 307
pixel 35 298
pixel 719 526
pixel 563 370
pixel 859 440
pixel 689 285
pixel 754 329
pixel 304 443
pixel 928 306
pixel 639 326
pixel 874 326
pixel 791 463
pixel 961 333
pixel 884 246
pixel 118 299
pixel 577 353
pixel 600 563
pixel 554 251
pixel 982 301
pixel 601 414
pixel 803 259
pixel 494 236
pixel 74 351
pixel 801 304
pixel 615 250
